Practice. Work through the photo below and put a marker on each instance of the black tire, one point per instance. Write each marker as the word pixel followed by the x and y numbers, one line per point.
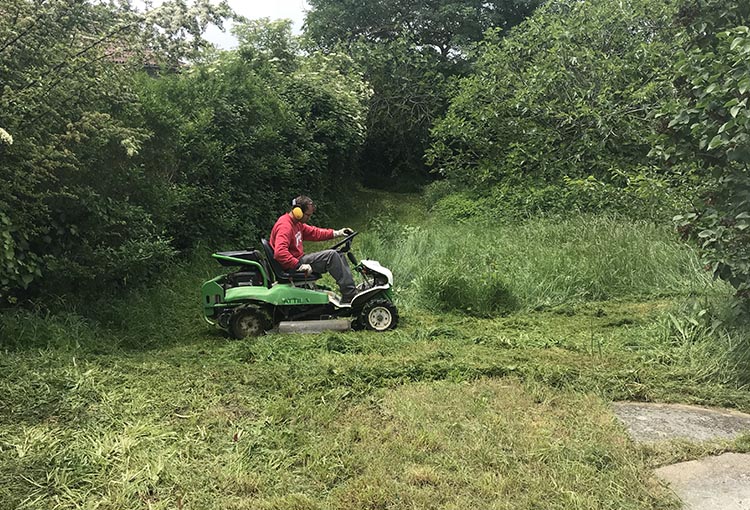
pixel 378 315
pixel 248 322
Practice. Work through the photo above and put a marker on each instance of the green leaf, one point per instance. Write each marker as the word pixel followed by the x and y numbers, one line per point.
pixel 716 141
pixel 26 280
pixel 731 102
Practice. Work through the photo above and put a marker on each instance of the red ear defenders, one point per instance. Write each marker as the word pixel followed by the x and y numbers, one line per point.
pixel 297 211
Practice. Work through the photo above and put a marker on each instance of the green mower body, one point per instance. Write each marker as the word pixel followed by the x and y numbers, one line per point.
pixel 257 296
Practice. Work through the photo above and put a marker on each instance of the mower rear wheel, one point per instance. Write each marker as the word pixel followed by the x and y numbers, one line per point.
pixel 379 315
pixel 248 322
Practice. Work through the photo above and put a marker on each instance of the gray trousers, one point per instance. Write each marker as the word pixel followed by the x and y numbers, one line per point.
pixel 331 261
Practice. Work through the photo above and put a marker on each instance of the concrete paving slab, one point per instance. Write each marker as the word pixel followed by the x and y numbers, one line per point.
pixel 648 422
pixel 713 483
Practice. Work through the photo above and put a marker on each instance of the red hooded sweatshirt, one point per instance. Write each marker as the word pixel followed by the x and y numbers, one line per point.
pixel 287 236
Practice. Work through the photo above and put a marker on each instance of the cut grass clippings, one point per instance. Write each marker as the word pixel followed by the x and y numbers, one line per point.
pixel 490 444
pixel 446 412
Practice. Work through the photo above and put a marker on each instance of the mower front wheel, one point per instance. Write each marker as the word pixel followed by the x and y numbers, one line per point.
pixel 248 322
pixel 378 315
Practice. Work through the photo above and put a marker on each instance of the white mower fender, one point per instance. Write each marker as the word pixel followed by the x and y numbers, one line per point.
pixel 376 267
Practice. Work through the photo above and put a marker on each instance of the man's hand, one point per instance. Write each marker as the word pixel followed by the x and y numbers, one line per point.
pixel 343 232
pixel 305 268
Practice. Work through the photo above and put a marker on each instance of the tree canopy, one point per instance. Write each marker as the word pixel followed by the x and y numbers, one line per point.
pixel 409 50
pixel 450 27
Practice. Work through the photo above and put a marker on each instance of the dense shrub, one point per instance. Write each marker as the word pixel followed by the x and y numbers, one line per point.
pixel 108 172
pixel 708 133
pixel 644 196
pixel 460 206
pixel 74 205
pixel 567 93
pixel 242 137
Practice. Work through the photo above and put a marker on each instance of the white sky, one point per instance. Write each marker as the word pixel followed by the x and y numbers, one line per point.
pixel 254 9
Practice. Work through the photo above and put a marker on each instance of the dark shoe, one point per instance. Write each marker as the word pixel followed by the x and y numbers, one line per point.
pixel 345 300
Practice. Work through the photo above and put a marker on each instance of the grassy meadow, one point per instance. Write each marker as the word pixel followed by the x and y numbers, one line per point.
pixel 493 393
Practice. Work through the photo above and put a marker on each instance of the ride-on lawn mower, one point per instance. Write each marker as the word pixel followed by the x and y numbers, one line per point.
pixel 259 296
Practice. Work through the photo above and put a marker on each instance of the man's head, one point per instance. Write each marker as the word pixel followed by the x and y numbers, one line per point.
pixel 302 208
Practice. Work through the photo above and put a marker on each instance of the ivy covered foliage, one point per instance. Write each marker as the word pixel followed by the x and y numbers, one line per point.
pixel 108 172
pixel 708 133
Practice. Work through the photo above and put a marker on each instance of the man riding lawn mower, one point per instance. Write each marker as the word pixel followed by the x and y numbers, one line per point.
pixel 277 289
pixel 286 241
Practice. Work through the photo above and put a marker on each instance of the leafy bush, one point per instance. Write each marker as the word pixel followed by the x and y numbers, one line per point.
pixel 459 206
pixel 329 94
pixel 73 195
pixel 437 190
pixel 708 134
pixel 231 144
pixel 567 93
pixel 239 136
pixel 644 196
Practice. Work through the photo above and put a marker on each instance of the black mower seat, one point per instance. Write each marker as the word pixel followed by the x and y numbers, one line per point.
pixel 286 276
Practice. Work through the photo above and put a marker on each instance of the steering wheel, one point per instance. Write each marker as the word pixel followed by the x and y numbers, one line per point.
pixel 345 242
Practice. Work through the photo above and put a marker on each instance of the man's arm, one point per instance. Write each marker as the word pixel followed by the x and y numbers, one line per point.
pixel 311 233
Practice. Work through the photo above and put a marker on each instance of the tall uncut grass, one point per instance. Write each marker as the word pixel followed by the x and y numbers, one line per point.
pixel 494 268
pixel 164 312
